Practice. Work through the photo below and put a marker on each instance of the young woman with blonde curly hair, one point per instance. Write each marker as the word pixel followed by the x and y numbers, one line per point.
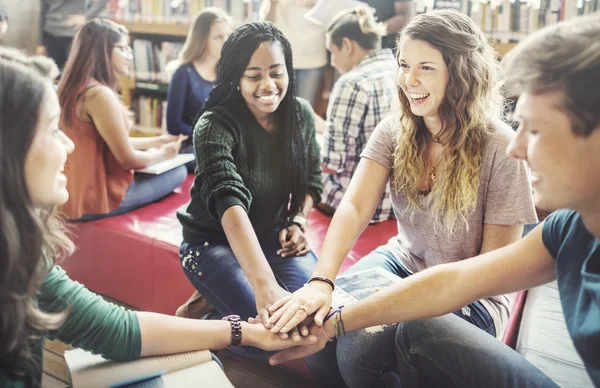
pixel 455 191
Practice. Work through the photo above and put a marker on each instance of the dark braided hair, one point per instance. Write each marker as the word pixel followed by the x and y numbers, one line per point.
pixel 235 56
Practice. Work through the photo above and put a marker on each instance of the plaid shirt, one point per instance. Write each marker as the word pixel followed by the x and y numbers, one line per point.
pixel 360 99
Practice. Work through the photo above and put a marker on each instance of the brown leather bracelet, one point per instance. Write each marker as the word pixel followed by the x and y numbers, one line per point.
pixel 322 279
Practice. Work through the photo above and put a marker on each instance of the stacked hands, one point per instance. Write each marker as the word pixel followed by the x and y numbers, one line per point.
pixel 300 317
pixel 294 322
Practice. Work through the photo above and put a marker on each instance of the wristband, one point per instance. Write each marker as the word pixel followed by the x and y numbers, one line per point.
pixel 322 279
pixel 236 329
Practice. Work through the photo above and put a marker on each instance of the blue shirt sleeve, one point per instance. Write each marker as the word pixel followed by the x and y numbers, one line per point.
pixel 556 228
pixel 176 103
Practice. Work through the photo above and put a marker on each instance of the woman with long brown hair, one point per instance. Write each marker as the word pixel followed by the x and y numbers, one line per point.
pixel 455 191
pixel 101 169
pixel 37 299
pixel 195 78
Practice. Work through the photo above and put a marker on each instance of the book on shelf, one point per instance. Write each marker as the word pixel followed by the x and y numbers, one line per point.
pixel 192 369
pixel 360 285
pixel 151 59
pixel 169 164
pixel 150 112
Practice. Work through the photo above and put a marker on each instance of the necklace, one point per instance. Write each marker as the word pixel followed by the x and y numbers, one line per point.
pixel 432 176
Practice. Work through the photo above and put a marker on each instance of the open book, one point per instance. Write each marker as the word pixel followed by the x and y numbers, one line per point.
pixel 359 285
pixel 169 164
pixel 193 369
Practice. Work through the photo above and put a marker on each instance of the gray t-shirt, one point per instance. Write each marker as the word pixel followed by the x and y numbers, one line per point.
pixel 504 198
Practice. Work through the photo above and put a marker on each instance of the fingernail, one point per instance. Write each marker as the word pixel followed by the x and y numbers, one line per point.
pixel 273 362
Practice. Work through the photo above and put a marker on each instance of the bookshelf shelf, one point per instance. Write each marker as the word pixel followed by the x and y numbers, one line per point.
pixel 163 29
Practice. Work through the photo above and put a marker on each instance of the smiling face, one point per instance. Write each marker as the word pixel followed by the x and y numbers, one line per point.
pixel 265 81
pixel 219 32
pixel 423 76
pixel 45 160
pixel 121 56
pixel 564 166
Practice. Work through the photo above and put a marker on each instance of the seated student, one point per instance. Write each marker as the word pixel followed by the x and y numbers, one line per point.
pixel 258 175
pixel 360 99
pixel 559 139
pixel 455 192
pixel 195 78
pixel 100 169
pixel 37 299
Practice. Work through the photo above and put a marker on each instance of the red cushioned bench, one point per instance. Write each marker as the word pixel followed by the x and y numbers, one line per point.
pixel 133 258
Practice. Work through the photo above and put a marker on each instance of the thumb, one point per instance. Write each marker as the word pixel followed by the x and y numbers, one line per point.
pixel 321 314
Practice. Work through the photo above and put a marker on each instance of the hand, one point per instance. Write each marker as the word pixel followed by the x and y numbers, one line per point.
pixel 323 333
pixel 76 21
pixel 287 313
pixel 41 50
pixel 170 150
pixel 293 242
pixel 255 334
pixel 266 299
pixel 167 138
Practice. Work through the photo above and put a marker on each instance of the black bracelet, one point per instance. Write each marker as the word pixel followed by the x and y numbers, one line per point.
pixel 236 329
pixel 323 279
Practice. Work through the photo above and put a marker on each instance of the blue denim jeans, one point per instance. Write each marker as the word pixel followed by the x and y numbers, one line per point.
pixel 455 350
pixel 308 83
pixel 215 272
pixel 145 189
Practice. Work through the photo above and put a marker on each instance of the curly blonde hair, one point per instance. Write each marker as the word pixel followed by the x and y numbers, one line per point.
pixel 473 98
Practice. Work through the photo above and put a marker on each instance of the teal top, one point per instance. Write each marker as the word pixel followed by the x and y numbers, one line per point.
pixel 241 164
pixel 92 323
pixel 577 255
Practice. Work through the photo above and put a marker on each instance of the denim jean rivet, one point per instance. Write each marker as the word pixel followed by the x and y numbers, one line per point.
pixel 199 273
pixel 206 244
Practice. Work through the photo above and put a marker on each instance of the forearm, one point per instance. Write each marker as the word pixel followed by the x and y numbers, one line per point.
pixel 143 159
pixel 269 10
pixel 97 7
pixel 341 237
pixel 165 334
pixel 246 248
pixel 144 143
pixel 404 301
pixel 308 205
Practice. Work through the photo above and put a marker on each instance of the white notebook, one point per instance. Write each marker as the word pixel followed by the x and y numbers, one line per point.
pixel 168 164
pixel 192 369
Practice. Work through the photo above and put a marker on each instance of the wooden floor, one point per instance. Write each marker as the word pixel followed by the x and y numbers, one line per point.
pixel 242 372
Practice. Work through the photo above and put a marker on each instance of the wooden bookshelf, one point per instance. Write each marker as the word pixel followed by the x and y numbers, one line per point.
pixel 163 29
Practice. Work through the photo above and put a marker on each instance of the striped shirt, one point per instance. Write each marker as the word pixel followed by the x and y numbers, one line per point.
pixel 360 99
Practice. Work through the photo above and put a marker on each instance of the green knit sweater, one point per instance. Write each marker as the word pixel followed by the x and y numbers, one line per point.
pixel 92 324
pixel 242 166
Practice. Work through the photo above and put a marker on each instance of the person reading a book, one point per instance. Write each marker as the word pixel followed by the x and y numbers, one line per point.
pixel 360 99
pixel 559 140
pixel 455 192
pixel 37 299
pixel 101 174
pixel 194 79
pixel 258 174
